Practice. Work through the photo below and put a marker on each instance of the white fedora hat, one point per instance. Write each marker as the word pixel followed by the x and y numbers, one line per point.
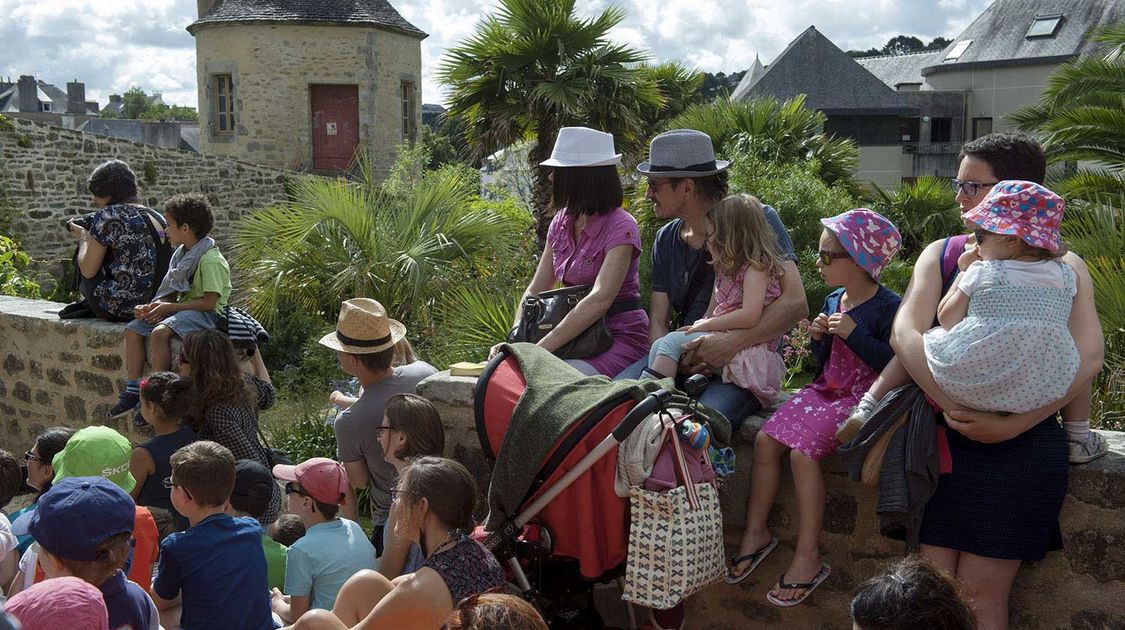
pixel 363 328
pixel 582 146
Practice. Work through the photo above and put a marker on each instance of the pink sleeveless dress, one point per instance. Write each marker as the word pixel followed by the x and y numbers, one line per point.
pixel 759 368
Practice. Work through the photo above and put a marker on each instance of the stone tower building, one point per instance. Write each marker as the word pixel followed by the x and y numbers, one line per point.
pixel 305 84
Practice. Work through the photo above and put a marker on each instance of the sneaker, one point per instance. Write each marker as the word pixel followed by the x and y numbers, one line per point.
pixel 126 402
pixel 138 418
pixel 1093 447
pixel 850 428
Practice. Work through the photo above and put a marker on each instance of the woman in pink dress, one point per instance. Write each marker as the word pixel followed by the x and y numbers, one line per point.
pixel 850 340
pixel 592 241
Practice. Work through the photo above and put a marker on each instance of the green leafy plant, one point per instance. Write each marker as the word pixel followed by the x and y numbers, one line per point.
pixel 14 277
pixel 923 211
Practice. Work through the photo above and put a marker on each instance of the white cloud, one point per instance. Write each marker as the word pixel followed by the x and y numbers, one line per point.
pixel 112 45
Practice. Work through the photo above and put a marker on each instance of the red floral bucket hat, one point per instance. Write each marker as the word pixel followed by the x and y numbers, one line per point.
pixel 1025 210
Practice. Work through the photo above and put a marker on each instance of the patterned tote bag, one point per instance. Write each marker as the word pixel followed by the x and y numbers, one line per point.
pixel 675 539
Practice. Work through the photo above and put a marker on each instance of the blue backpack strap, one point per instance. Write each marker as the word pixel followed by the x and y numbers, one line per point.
pixel 951 250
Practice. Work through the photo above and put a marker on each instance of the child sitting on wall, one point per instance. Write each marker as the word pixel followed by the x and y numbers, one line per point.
pixel 191 297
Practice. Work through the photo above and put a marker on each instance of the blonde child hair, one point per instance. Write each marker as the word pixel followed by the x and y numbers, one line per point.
pixel 741 235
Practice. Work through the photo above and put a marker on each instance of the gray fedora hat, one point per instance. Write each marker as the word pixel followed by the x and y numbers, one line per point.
pixel 682 153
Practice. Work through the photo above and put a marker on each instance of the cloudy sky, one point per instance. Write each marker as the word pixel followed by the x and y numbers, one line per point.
pixel 112 45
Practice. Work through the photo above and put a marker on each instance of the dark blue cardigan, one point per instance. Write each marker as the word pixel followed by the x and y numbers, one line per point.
pixel 871 338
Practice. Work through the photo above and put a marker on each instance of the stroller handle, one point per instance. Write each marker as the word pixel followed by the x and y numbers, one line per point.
pixel 654 401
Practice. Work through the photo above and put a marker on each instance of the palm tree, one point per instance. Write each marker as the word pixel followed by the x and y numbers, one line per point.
pixel 777 132
pixel 923 211
pixel 533 67
pixel 338 239
pixel 1081 117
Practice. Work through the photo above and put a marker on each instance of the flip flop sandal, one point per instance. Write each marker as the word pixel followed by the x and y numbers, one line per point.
pixel 755 559
pixel 809 587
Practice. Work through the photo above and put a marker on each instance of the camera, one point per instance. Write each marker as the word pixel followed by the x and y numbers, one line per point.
pixel 83 221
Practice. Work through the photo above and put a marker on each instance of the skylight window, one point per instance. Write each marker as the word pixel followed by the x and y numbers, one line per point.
pixel 1045 26
pixel 958 49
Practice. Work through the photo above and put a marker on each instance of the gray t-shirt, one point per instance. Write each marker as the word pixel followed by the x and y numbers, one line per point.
pixel 673 261
pixel 357 433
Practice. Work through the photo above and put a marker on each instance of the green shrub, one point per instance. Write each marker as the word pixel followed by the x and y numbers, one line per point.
pixel 923 212
pixel 14 277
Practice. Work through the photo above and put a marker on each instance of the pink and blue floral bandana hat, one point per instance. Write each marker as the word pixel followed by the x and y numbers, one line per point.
pixel 867 236
pixel 1025 210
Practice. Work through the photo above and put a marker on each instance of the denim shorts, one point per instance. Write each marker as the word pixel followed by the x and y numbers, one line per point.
pixel 181 323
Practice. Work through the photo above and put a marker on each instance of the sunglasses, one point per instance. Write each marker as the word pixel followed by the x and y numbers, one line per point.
pixel 32 457
pixel 290 488
pixel 169 484
pixel 969 188
pixel 826 258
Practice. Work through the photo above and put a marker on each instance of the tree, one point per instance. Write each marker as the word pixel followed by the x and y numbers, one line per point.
pixel 338 239
pixel 902 44
pixel 938 43
pixel 532 67
pixel 1081 117
pixel 870 52
pixel 780 133
pixel 138 105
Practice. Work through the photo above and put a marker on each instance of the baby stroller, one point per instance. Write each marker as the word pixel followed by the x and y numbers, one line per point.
pixel 564 511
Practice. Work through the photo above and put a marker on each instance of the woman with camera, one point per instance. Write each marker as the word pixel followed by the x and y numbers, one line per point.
pixel 120 247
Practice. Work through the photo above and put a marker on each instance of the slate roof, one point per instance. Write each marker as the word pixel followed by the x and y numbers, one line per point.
pixel 748 80
pixel 372 12
pixel 114 128
pixel 831 80
pixel 999 35
pixel 895 70
pixel 9 98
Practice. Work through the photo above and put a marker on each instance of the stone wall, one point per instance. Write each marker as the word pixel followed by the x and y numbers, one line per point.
pixel 1082 587
pixel 272 67
pixel 43 173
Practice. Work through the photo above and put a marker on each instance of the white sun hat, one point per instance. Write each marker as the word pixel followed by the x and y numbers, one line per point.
pixel 582 146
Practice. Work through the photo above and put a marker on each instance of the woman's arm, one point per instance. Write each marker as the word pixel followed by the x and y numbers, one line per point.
pixel 754 284
pixel 395 548
pixel 141 465
pixel 916 316
pixel 1087 332
pixel 606 287
pixel 91 253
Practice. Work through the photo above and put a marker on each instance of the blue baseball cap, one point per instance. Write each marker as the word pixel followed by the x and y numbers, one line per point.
pixel 78 513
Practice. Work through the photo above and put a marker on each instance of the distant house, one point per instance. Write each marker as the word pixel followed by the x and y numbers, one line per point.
pixel 910 113
pixel 43 101
pixel 116 105
pixel 307 83
pixel 170 135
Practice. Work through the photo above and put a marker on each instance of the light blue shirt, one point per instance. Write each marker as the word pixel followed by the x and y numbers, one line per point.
pixel 319 563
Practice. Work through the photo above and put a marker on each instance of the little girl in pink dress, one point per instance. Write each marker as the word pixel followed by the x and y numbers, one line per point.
pixel 850 341
pixel 747 268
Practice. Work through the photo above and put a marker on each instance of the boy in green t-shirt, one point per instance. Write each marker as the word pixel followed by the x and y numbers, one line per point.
pixel 191 296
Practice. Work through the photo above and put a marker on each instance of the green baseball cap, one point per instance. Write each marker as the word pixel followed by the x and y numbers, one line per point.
pixel 96 452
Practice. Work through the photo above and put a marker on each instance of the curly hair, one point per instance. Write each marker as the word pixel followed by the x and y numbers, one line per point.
pixel 113 179
pixel 215 376
pixel 911 594
pixel 496 611
pixel 193 210
pixel 742 236
pixel 166 390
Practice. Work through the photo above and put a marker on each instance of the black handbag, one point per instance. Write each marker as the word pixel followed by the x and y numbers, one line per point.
pixel 274 456
pixel 543 312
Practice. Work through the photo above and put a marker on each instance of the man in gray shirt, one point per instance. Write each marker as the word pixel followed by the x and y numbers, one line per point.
pixel 364 342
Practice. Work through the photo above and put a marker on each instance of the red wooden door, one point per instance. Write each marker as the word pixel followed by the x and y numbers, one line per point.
pixel 335 124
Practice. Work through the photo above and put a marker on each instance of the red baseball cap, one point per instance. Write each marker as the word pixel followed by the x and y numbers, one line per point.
pixel 323 479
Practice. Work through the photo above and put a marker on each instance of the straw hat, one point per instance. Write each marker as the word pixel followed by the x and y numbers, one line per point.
pixel 582 146
pixel 363 328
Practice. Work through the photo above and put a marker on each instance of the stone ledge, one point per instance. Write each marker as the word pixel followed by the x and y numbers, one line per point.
pixel 1079 588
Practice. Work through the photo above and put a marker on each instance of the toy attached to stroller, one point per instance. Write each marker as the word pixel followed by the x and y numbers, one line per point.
pixel 552 501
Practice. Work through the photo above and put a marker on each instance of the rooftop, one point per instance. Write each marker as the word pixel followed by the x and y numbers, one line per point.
pixel 358 12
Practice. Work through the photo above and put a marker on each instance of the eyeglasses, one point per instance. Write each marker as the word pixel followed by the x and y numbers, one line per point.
pixel 395 492
pixel 169 484
pixel 826 258
pixel 970 189
pixel 292 489
pixel 32 457
pixel 655 184
pixel 381 428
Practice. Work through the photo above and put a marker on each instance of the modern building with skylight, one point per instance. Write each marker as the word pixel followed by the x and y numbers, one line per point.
pixel 935 100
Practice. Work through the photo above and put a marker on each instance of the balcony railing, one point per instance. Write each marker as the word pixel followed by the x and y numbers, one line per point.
pixel 931 148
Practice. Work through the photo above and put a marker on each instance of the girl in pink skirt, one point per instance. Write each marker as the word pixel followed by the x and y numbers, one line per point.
pixel 850 341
